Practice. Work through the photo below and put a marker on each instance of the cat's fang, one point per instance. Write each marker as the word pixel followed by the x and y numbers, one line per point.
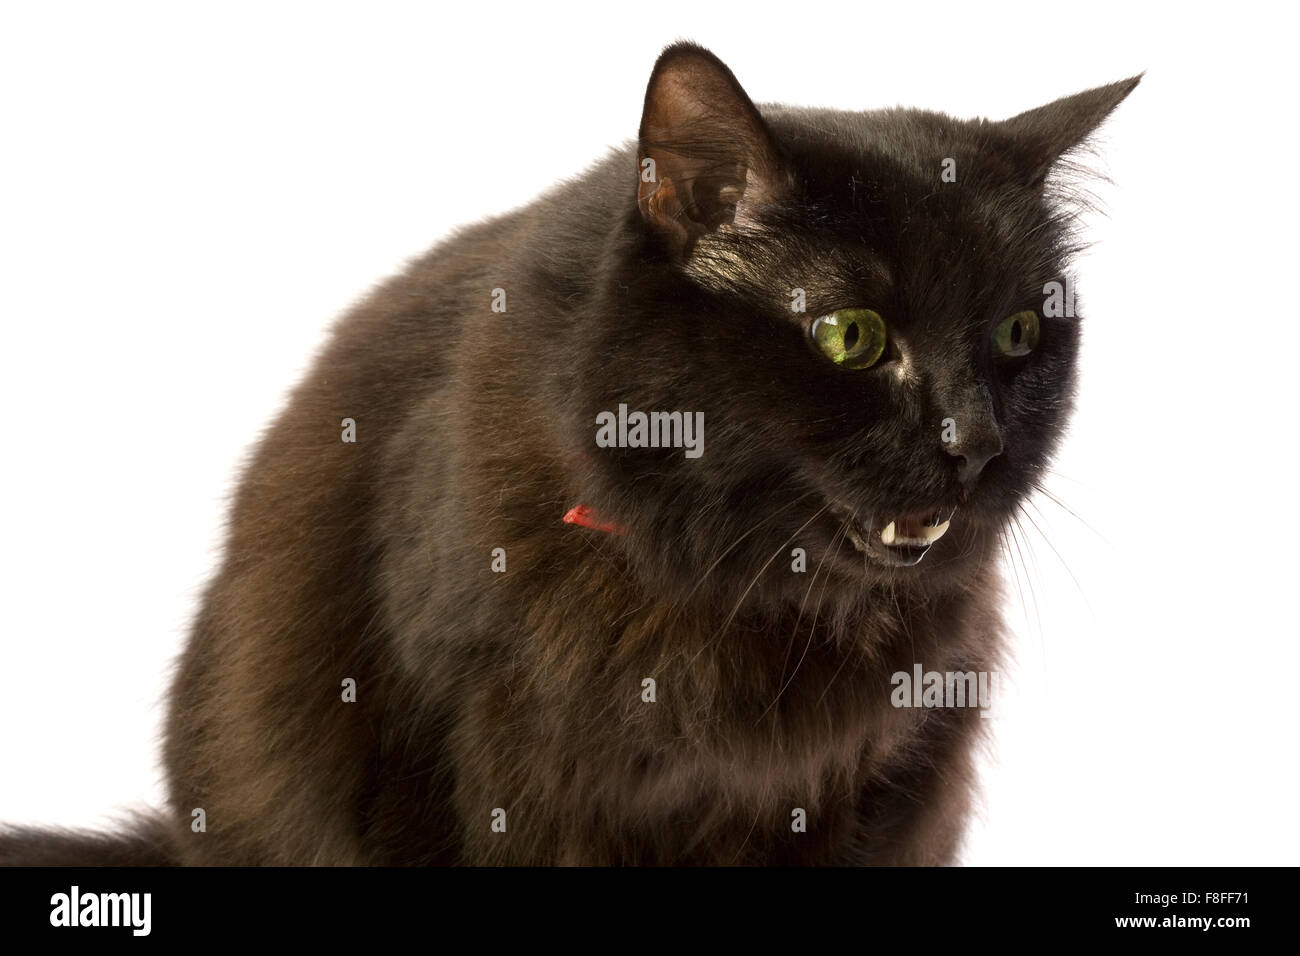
pixel 912 533
pixel 933 533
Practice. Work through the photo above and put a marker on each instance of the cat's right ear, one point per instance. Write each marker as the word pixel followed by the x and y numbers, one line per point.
pixel 705 157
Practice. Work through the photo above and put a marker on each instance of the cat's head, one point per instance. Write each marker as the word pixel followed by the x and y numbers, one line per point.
pixel 856 303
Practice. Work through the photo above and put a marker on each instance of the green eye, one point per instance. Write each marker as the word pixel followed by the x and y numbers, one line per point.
pixel 853 338
pixel 1016 335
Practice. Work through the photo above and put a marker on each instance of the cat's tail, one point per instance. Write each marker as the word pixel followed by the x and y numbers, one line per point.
pixel 141 841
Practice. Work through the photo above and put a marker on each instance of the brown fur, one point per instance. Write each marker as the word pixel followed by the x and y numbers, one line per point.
pixel 522 690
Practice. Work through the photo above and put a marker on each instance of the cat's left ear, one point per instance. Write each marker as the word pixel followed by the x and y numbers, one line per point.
pixel 1044 134
pixel 705 156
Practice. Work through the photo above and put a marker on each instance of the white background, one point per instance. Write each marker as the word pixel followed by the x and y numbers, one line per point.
pixel 190 195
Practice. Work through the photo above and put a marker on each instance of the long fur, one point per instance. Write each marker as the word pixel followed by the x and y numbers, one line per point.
pixel 139 840
pixel 521 691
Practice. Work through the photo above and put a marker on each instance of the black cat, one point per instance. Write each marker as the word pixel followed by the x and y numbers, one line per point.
pixel 600 534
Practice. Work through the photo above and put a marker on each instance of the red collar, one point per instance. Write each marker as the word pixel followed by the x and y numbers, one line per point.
pixel 587 518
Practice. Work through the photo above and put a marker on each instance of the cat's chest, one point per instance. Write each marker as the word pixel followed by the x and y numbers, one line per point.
pixel 751 711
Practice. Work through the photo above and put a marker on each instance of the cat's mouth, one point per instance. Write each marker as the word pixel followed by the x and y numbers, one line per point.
pixel 897 541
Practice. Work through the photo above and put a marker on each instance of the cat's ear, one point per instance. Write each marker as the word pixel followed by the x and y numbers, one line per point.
pixel 1044 134
pixel 705 156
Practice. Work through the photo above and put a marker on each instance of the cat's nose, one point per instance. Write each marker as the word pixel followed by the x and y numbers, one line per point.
pixel 975 439
pixel 973 458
